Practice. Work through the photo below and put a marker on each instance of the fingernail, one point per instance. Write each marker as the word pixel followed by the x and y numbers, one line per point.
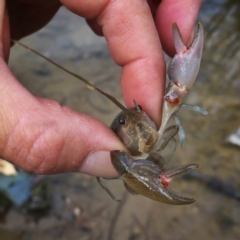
pixel 98 164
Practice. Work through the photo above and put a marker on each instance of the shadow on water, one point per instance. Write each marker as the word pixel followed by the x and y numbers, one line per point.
pixel 80 209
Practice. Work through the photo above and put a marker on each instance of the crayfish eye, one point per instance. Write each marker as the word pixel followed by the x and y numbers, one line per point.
pixel 140 107
pixel 122 121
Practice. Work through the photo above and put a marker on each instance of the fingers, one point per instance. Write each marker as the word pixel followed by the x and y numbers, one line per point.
pixel 184 13
pixel 88 9
pixel 134 44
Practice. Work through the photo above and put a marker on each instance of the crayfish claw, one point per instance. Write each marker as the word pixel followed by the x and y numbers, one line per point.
pixel 146 178
pixel 174 198
pixel 178 40
pixel 170 174
pixel 185 65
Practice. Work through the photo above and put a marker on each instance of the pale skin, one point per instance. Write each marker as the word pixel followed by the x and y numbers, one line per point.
pixel 41 136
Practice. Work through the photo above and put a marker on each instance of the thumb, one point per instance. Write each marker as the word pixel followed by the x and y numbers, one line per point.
pixel 41 136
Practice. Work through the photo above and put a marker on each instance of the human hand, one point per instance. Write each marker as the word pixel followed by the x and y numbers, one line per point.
pixel 41 136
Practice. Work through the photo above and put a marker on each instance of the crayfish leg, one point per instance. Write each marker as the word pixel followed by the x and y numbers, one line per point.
pixel 107 190
pixel 194 108
pixel 181 132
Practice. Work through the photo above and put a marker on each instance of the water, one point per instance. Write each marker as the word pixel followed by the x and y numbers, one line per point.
pixel 81 209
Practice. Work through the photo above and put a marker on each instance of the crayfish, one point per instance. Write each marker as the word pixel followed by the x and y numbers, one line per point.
pixel 144 171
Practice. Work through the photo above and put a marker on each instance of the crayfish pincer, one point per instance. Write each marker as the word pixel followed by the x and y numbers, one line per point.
pixel 146 178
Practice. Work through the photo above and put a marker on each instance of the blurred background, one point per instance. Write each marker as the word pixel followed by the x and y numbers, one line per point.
pixel 74 206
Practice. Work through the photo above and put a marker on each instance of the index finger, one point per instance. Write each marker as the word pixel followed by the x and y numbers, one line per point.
pixel 134 44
